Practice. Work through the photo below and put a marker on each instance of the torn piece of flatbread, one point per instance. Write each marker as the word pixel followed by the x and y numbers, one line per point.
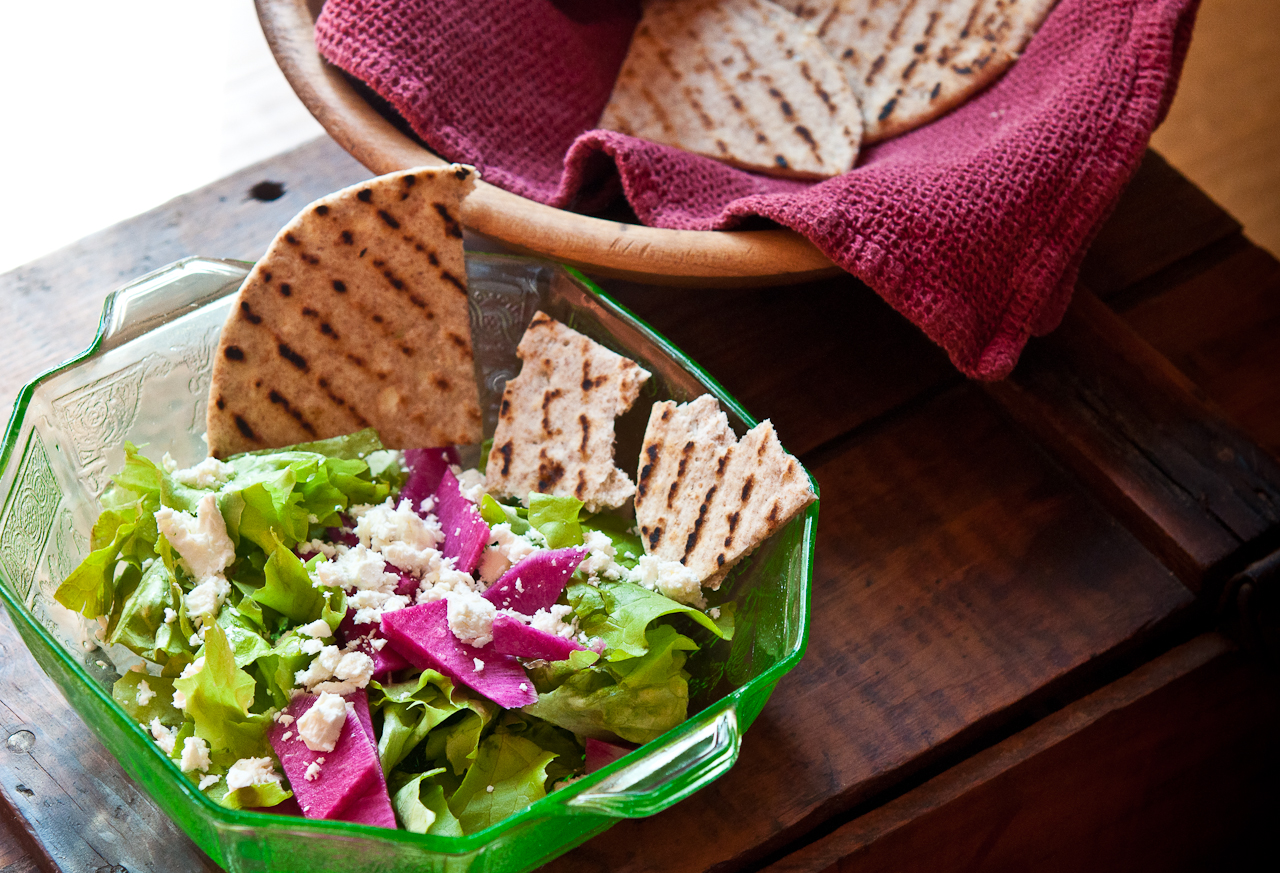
pixel 356 317
pixel 910 61
pixel 555 426
pixel 706 498
pixel 741 81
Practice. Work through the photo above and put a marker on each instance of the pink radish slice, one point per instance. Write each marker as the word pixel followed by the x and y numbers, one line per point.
pixel 421 634
pixel 373 807
pixel 535 582
pixel 601 754
pixel 426 468
pixel 349 771
pixel 465 532
pixel 511 636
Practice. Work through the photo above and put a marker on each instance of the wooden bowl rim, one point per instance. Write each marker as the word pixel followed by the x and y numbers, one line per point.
pixel 604 248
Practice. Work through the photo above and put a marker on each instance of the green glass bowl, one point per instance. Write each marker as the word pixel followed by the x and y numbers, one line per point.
pixel 145 378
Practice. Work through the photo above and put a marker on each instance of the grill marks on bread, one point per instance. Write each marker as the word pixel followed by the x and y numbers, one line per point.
pixel 555 430
pixel 706 498
pixel 740 81
pixel 354 318
pixel 909 61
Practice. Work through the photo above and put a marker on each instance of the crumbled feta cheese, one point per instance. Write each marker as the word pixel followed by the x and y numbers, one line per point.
pixel 524 686
pixel 310 646
pixel 145 694
pixel 313 770
pixel 284 718
pixel 286 736
pixel 209 473
pixel 479 665
pixel 363 573
pixel 179 700
pixel 671 578
pixel 555 620
pixel 204 601
pixel 444 581
pixel 511 546
pixel 211 779
pixel 195 755
pixel 321 668
pixel 193 668
pixel 403 537
pixel 169 464
pixel 320 547
pixel 202 541
pixel 600 562
pixel 320 726
pixel 471 618
pixel 493 564
pixel 170 615
pixel 163 736
pixel 470 482
pixel 319 629
pixel 334 672
pixel 251 771
pixel 489 789
pixel 714 612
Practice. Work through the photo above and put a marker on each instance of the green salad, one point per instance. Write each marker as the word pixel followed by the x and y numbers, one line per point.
pixel 342 631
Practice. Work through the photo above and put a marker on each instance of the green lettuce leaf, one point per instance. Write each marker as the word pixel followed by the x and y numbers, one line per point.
pixel 636 699
pixel 218 700
pixel 142 613
pixel 125 692
pixel 288 589
pixel 556 518
pixel 621 612
pixel 626 545
pixel 509 773
pixel 421 807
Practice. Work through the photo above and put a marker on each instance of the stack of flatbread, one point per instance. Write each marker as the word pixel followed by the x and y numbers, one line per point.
pixel 794 87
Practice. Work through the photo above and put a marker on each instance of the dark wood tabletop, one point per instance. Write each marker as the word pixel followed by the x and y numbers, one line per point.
pixel 1044 609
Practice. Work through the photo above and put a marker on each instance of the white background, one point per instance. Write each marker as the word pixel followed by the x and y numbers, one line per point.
pixel 111 107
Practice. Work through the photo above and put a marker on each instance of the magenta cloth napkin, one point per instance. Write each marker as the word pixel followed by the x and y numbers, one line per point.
pixel 973 226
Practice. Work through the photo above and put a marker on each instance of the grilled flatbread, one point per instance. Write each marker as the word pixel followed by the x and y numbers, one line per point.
pixel 740 81
pixel 555 426
pixel 910 61
pixel 706 498
pixel 356 317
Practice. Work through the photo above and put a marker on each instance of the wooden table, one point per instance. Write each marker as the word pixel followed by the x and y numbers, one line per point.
pixel 1044 612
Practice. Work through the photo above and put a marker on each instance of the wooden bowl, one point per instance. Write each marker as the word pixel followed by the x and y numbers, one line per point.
pixel 604 248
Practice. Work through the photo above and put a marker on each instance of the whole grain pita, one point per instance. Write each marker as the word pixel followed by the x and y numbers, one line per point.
pixel 555 426
pixel 356 317
pixel 910 61
pixel 706 498
pixel 741 81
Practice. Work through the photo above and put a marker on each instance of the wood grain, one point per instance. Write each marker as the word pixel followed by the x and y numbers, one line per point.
pixel 1168 768
pixel 1168 463
pixel 686 258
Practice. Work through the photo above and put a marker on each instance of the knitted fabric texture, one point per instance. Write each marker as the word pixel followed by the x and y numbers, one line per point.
pixel 973 226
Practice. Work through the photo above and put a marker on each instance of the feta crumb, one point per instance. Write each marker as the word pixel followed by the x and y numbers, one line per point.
pixel 399 534
pixel 179 700
pixel 479 664
pixel 311 647
pixel 471 617
pixel 170 615
pixel 204 601
pixel 670 578
pixel 209 473
pixel 284 718
pixel 489 789
pixel 470 482
pixel 163 736
pixel 714 612
pixel 211 779
pixel 600 560
pixel 251 771
pixel 145 694
pixel 195 755
pixel 169 464
pixel 320 726
pixel 287 735
pixel 202 541
pixel 313 770
pixel 319 629
pixel 555 620
pixel 524 686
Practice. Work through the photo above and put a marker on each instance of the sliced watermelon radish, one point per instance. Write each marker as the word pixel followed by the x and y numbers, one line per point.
pixel 535 582
pixel 601 754
pixel 465 532
pixel 511 636
pixel 350 771
pixel 421 634
pixel 373 806
pixel 426 468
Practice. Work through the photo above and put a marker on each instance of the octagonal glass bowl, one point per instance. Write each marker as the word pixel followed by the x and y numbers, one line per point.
pixel 145 378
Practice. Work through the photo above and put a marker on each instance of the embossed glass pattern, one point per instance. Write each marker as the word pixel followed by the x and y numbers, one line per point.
pixel 145 379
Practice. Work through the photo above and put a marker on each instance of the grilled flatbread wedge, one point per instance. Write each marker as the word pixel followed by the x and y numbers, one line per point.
pixel 356 317
pixel 555 426
pixel 740 81
pixel 706 498
pixel 910 61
